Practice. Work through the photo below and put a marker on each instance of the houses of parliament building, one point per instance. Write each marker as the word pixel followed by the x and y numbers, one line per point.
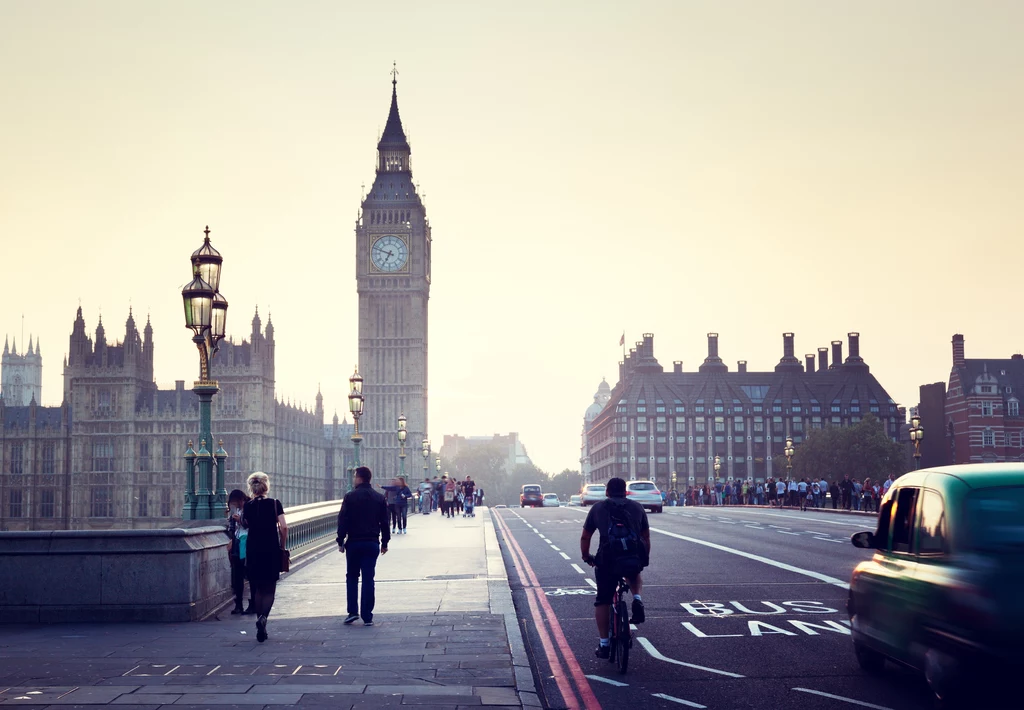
pixel 111 455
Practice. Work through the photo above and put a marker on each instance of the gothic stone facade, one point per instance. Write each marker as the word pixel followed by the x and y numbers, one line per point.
pixel 111 455
pixel 656 423
pixel 393 280
pixel 21 376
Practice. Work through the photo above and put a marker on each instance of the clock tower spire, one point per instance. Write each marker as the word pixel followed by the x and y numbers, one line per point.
pixel 393 281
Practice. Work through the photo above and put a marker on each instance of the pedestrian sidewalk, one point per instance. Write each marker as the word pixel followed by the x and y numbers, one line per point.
pixel 441 640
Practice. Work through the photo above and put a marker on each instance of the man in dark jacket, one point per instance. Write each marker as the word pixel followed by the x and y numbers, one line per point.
pixel 363 534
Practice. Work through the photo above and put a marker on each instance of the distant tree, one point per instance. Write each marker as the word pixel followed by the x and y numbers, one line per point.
pixel 862 451
pixel 565 484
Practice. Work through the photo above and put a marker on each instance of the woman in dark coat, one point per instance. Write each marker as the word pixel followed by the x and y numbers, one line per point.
pixel 263 517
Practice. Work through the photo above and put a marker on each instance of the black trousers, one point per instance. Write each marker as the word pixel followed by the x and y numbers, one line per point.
pixel 238 581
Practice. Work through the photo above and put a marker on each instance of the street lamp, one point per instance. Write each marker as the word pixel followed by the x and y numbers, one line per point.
pixel 789 451
pixel 402 433
pixel 673 481
pixel 437 465
pixel 355 407
pixel 916 434
pixel 426 458
pixel 206 312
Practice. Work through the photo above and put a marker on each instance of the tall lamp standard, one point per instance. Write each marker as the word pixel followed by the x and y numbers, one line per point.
pixel 426 459
pixel 206 313
pixel 402 433
pixel 355 406
pixel 916 434
pixel 789 451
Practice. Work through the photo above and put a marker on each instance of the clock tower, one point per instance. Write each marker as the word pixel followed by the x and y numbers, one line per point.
pixel 393 281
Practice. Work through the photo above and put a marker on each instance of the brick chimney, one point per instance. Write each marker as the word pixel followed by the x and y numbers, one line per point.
pixel 712 345
pixel 677 366
pixel 809 362
pixel 822 359
pixel 837 354
pixel 713 363
pixel 741 366
pixel 959 358
pixel 854 348
pixel 788 361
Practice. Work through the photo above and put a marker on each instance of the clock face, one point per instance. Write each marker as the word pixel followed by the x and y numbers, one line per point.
pixel 389 253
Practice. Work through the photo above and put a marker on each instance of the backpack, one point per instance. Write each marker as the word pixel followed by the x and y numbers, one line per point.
pixel 622 547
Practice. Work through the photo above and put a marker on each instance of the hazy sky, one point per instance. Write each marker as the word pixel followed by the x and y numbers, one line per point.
pixel 589 167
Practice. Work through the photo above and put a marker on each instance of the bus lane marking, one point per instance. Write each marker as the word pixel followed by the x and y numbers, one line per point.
pixel 680 701
pixel 609 681
pixel 655 653
pixel 578 568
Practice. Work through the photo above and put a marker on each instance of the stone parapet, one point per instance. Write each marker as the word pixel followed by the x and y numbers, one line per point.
pixel 113 575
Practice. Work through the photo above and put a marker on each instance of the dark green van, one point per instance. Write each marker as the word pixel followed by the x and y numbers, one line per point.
pixel 940 593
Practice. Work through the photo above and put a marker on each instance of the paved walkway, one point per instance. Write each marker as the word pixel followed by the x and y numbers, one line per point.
pixel 440 641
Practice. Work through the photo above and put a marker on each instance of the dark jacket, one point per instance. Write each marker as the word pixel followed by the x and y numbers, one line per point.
pixel 363 517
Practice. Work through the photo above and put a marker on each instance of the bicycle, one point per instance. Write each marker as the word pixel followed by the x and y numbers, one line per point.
pixel 621 635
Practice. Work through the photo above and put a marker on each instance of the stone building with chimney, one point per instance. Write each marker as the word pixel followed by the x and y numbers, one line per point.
pixel 657 423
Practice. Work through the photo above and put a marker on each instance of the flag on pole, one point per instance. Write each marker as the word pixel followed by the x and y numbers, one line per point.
pixel 622 340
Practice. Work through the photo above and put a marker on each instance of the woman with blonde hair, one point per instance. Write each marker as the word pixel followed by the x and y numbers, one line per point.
pixel 263 517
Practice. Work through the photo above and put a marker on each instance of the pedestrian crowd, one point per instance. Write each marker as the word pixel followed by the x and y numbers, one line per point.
pixel 449 496
pixel 844 494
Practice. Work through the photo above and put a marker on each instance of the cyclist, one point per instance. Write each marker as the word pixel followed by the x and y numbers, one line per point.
pixel 625 522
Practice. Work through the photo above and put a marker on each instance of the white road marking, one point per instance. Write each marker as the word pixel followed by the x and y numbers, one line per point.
pixel 556 549
pixel 564 555
pixel 727 522
pixel 758 558
pixel 543 538
pixel 703 517
pixel 868 523
pixel 592 583
pixel 778 527
pixel 756 527
pixel 655 653
pixel 840 697
pixel 828 539
pixel 786 532
pixel 578 568
pixel 609 681
pixel 671 699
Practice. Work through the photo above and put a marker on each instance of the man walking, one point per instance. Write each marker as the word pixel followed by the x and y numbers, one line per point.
pixel 363 534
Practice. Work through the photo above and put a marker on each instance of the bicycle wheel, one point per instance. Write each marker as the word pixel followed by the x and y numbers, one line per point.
pixel 623 637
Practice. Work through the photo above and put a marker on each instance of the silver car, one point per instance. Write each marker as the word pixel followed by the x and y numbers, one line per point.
pixel 646 494
pixel 592 493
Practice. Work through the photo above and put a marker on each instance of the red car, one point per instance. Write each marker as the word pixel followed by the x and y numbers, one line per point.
pixel 531 495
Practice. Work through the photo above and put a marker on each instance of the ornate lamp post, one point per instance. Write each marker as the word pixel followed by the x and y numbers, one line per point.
pixel 402 433
pixel 673 481
pixel 789 451
pixel 355 407
pixel 437 465
pixel 426 458
pixel 206 313
pixel 916 434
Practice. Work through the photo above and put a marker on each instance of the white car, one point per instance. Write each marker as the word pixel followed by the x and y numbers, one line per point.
pixel 575 500
pixel 592 493
pixel 646 494
pixel 550 500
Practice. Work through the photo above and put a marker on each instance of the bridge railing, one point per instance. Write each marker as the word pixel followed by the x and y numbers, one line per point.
pixel 311 526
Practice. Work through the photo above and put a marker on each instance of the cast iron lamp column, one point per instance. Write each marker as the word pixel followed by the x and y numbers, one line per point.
pixel 355 407
pixel 789 451
pixel 916 434
pixel 426 459
pixel 206 316
pixel 402 433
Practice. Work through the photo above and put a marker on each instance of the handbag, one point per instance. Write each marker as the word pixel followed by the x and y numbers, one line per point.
pixel 286 557
pixel 241 546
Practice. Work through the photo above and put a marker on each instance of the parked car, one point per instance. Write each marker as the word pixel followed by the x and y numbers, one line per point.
pixel 591 493
pixel 575 499
pixel 551 500
pixel 646 494
pixel 940 592
pixel 531 495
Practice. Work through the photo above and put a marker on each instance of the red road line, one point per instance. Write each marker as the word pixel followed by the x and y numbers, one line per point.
pixel 586 694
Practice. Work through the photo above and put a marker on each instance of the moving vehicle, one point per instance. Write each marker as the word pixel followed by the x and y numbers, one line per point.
pixel 575 499
pixel 592 493
pixel 551 500
pixel 940 592
pixel 531 495
pixel 646 494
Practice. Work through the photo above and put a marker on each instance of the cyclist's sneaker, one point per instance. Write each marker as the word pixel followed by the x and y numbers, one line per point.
pixel 603 651
pixel 638 612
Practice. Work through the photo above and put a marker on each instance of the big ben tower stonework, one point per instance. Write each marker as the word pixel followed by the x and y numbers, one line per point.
pixel 393 282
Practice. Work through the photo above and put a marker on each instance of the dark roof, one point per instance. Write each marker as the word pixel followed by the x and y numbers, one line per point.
pixel 1007 372
pixel 393 136
pixel 17 417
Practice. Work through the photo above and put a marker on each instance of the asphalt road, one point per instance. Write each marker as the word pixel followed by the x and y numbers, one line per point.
pixel 746 608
